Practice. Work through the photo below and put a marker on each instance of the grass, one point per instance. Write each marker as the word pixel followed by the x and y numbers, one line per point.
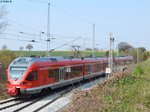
pixel 126 92
pixel 58 53
pixel 3 94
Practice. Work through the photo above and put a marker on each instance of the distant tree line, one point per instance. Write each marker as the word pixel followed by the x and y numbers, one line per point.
pixel 127 49
pixel 6 58
pixel 28 47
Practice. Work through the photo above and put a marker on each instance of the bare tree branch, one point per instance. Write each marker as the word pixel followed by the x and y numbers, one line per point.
pixel 3 23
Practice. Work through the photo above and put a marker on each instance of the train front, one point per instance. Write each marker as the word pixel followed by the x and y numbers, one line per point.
pixel 16 74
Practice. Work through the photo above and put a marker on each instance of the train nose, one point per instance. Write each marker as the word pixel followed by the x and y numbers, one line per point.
pixel 13 91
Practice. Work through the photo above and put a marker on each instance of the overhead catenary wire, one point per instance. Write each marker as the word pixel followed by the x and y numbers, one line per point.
pixel 43 36
pixel 38 1
pixel 62 10
pixel 59 36
pixel 65 44
pixel 70 14
pixel 33 41
pixel 17 35
pixel 25 26
pixel 29 37
pixel 6 38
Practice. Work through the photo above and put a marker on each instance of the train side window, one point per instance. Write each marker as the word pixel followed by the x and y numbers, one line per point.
pixel 32 76
pixel 98 66
pixel 54 73
pixel 67 72
pixel 76 71
pixel 50 74
pixel 88 69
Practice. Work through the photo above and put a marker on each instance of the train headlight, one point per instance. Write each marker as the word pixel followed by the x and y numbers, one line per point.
pixel 21 83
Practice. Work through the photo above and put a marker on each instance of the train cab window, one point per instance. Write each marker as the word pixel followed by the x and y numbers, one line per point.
pixel 32 76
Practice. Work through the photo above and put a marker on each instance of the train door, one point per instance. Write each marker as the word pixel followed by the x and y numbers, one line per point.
pixel 91 68
pixel 61 74
pixel 33 77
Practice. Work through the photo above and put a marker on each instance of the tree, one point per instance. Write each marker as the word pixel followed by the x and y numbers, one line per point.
pixel 21 48
pixel 96 49
pixel 6 57
pixel 88 49
pixel 124 46
pixel 29 46
pixel 107 53
pixel 142 49
pixel 4 47
pixel 3 23
pixel 142 54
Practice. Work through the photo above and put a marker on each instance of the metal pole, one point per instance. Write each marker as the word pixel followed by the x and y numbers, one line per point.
pixel 112 50
pixel 83 48
pixel 48 30
pixel 137 55
pixel 93 41
pixel 110 63
pixel 117 48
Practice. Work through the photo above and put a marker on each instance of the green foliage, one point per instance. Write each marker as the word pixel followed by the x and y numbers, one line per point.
pixel 3 94
pixel 139 70
pixel 107 53
pixel 132 92
pixel 29 46
pixel 126 80
pixel 58 53
pixel 127 94
pixel 142 54
pixel 124 46
pixel 6 57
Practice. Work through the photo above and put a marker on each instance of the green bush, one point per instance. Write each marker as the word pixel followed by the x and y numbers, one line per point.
pixel 6 58
pixel 138 70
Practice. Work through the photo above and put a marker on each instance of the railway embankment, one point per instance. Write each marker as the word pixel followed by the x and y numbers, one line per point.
pixel 3 94
pixel 127 91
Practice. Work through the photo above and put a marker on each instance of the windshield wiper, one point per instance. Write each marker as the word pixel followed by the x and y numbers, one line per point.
pixel 16 79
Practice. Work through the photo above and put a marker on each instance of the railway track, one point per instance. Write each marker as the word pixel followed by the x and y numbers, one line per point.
pixel 10 104
pixel 38 103
pixel 35 104
pixel 9 100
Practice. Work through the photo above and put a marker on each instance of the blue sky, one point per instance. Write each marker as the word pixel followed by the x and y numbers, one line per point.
pixel 128 20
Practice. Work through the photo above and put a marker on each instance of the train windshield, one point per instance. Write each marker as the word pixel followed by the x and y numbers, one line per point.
pixel 17 72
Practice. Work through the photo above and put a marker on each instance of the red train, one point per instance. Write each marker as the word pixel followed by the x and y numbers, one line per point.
pixel 31 75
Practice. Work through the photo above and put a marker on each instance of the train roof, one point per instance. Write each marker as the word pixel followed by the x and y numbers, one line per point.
pixel 26 61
